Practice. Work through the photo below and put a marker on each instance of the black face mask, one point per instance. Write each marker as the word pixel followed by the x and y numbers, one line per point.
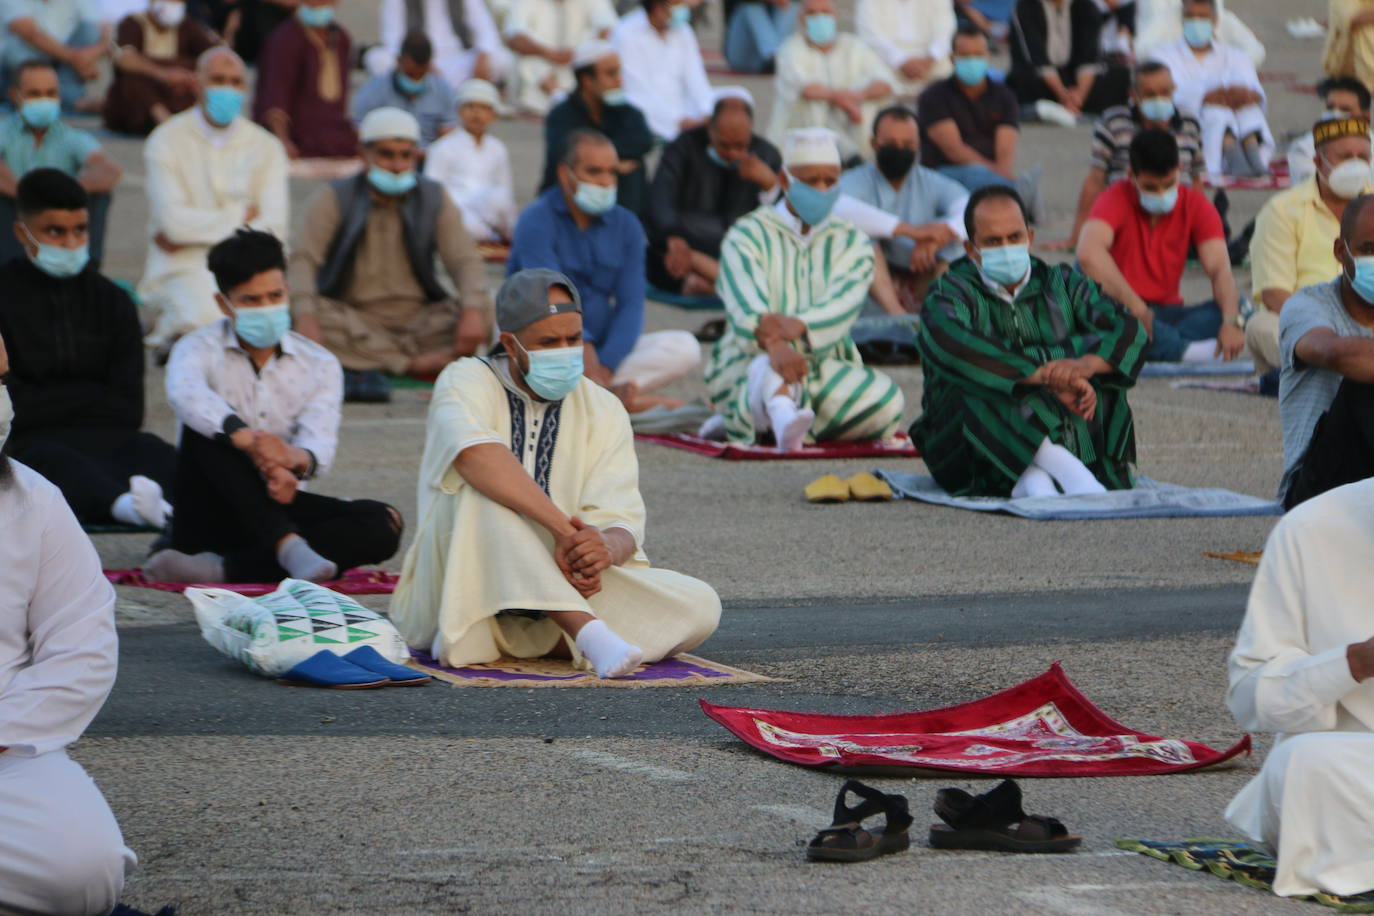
pixel 894 162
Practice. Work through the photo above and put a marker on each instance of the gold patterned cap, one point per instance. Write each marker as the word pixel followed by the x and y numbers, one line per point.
pixel 1336 128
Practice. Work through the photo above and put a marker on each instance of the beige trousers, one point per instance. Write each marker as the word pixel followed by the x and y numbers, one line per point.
pixel 385 335
pixel 1262 339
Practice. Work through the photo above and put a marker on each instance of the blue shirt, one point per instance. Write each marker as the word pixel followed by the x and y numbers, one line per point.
pixel 63 147
pixel 605 261
pixel 925 196
pixel 436 108
pixel 59 18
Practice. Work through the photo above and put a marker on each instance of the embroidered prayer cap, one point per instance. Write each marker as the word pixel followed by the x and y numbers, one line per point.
pixel 735 92
pixel 479 92
pixel 524 298
pixel 810 146
pixel 389 124
pixel 1328 129
pixel 589 52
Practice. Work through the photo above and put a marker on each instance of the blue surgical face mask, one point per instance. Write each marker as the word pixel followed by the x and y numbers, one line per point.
pixel 315 17
pixel 40 114
pixel 614 97
pixel 553 374
pixel 717 158
pixel 1006 265
pixel 812 205
pixel 264 326
pixel 1197 32
pixel 223 104
pixel 59 262
pixel 391 183
pixel 820 28
pixel 408 85
pixel 594 199
pixel 971 70
pixel 1160 203
pixel 1157 110
pixel 681 15
pixel 1363 280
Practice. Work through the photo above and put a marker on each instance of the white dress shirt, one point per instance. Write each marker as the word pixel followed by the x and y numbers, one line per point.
pixel 478 178
pixel 1222 65
pixel 297 395
pixel 902 29
pixel 663 74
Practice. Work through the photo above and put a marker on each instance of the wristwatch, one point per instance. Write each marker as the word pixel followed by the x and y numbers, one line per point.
pixel 1237 320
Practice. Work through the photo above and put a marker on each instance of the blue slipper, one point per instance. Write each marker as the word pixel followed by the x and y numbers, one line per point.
pixel 370 659
pixel 325 669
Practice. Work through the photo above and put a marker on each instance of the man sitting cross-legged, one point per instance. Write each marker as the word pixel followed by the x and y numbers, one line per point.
pixel 1026 368
pixel 259 412
pixel 531 518
pixel 793 278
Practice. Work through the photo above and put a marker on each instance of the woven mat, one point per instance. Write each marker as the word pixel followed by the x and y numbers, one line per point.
pixel 353 582
pixel 683 671
pixel 1252 557
pixel 1243 863
pixel 899 447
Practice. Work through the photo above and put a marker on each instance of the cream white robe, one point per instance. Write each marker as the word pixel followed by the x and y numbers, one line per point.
pixel 558 24
pixel 1313 801
pixel 847 64
pixel 473 558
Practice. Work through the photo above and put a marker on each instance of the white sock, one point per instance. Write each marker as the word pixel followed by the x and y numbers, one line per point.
pixel 1072 475
pixel 148 501
pixel 1200 351
pixel 300 561
pixel 1034 481
pixel 123 511
pixel 790 423
pixel 713 428
pixel 610 655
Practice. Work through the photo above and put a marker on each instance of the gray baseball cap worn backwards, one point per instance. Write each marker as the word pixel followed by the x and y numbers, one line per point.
pixel 524 298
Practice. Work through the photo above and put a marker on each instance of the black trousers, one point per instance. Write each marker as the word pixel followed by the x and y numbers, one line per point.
pixel 1342 446
pixel 222 506
pixel 92 466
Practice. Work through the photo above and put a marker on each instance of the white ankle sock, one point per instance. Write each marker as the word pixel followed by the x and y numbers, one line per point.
pixel 1072 475
pixel 1034 481
pixel 790 423
pixel 610 655
pixel 1200 351
pixel 175 566
pixel 300 561
pixel 123 511
pixel 148 500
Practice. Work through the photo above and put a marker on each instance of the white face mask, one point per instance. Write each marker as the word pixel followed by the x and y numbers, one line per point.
pixel 1349 178
pixel 169 13
pixel 6 415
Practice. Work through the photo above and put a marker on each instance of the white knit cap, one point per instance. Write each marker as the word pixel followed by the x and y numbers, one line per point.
pixel 589 52
pixel 389 124
pixel 480 92
pixel 734 92
pixel 810 146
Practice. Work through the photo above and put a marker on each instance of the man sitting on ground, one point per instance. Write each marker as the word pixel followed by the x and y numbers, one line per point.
pixel 154 67
pixel 467 43
pixel 36 137
pixel 413 87
pixel 1341 97
pixel 544 35
pixel 533 522
pixel 59 31
pixel 1302 669
pixel 1327 373
pixel 60 847
pixel 914 194
pixel 577 229
pixel 1057 63
pixel 363 279
pixel 209 170
pixel 1003 413
pixel 1135 245
pixel 707 179
pixel 76 376
pixel 912 37
pixel 1349 50
pixel 474 167
pixel 662 67
pixel 793 278
pixel 302 90
pixel 1295 232
pixel 259 411
pixel 600 104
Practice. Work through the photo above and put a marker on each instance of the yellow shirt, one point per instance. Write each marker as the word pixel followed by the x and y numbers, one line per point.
pixel 1294 234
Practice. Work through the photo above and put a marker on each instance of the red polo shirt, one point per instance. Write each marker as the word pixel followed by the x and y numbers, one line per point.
pixel 1152 256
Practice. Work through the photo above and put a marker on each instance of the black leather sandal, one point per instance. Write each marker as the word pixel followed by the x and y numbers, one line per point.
pixel 995 821
pixel 845 840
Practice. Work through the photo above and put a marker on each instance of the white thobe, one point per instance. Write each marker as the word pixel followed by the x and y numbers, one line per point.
pixel 60 848
pixel 1222 66
pixel 663 75
pixel 1160 22
pixel 1313 801
pixel 477 176
pixel 555 24
pixel 900 30
pixel 453 59
pixel 847 64
pixel 201 182
pixel 473 558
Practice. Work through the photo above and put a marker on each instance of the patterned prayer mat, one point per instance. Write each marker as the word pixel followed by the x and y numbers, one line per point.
pixel 1215 367
pixel 353 582
pixel 683 671
pixel 1243 863
pixel 1043 727
pixel 1252 557
pixel 691 303
pixel 899 447
pixel 1243 386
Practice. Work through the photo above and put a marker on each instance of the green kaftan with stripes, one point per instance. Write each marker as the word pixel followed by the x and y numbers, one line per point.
pixel 980 427
pixel 822 278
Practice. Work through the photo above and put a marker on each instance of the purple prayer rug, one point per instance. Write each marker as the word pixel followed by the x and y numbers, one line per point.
pixel 682 671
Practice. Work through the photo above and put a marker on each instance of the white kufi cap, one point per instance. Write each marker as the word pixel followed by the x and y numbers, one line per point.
pixel 589 52
pixel 479 91
pixel 389 124
pixel 734 92
pixel 810 146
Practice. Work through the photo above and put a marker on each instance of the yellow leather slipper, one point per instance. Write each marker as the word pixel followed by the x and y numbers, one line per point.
pixel 827 489
pixel 868 489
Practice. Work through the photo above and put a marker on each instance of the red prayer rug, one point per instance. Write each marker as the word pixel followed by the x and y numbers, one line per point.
pixel 898 447
pixel 353 582
pixel 682 671
pixel 1044 727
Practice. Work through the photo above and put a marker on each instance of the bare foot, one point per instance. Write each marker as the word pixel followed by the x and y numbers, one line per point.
pixel 430 364
pixel 697 285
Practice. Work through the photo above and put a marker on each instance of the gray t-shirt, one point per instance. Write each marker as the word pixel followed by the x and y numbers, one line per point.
pixel 1305 393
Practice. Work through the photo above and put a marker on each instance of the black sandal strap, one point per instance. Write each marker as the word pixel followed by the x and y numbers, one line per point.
pixel 894 808
pixel 997 808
